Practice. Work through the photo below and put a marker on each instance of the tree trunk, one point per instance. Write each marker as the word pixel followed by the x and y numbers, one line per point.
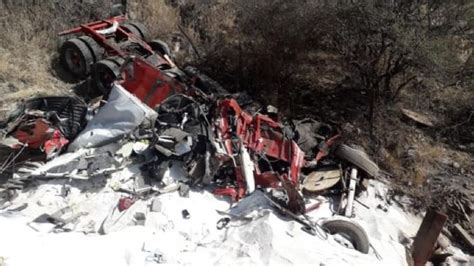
pixel 371 111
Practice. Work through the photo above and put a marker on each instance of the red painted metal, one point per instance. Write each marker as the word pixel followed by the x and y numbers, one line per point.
pixel 427 236
pixel 143 79
pixel 96 25
pixel 260 135
pixel 125 203
pixel 34 133
pixel 109 41
pixel 148 83
pixel 55 144
pixel 235 193
pixel 40 134
pixel 325 146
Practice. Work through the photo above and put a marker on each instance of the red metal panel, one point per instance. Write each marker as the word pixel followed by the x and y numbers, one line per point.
pixel 149 84
pixel 427 236
pixel 96 25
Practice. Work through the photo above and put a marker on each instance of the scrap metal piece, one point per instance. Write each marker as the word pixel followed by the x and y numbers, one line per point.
pixel 427 236
pixel 166 152
pixel 466 238
pixel 248 168
pixel 56 221
pixel 307 134
pixel 122 114
pixel 183 190
pixel 46 218
pixel 350 197
pixel 169 188
pixel 139 218
pixel 419 118
pixel 307 226
pixel 185 214
pixel 321 180
pixel 223 222
pixel 125 203
pixel 66 112
pixel 82 164
pixel 174 141
pixel 313 206
pixel 19 208
pixel 155 205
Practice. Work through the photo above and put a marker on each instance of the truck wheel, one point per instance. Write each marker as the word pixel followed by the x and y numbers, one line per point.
pixel 142 29
pixel 160 47
pixel 358 158
pixel 137 29
pixel 353 232
pixel 76 57
pixel 105 73
pixel 94 47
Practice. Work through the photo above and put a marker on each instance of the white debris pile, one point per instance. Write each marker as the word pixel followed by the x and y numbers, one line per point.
pixel 195 181
pixel 141 235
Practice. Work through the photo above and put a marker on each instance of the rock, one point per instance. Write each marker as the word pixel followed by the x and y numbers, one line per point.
pixel 456 165
pixel 383 208
pixel 446 161
pixel 443 241
pixel 12 87
pixel 139 218
pixel 155 205
pixel 411 154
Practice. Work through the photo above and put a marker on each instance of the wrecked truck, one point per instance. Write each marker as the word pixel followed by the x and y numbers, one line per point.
pixel 186 117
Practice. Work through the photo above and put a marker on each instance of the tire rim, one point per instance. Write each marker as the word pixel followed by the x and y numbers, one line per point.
pixel 344 240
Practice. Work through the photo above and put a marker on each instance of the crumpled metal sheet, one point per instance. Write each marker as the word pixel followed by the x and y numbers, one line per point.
pixel 308 134
pixel 121 115
pixel 65 112
pixel 39 133
pixel 81 164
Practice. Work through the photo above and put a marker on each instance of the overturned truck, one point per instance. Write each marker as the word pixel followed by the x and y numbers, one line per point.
pixel 179 117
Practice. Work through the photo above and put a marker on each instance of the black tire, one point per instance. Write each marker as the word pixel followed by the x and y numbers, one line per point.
pixel 105 73
pixel 131 29
pixel 76 57
pixel 137 29
pixel 358 158
pixel 117 60
pixel 94 47
pixel 351 231
pixel 142 29
pixel 160 47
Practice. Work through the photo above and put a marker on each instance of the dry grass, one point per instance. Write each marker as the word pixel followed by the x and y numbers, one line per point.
pixel 26 73
pixel 28 46
pixel 161 20
pixel 417 157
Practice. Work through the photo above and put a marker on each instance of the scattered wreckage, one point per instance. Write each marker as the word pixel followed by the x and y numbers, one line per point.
pixel 166 119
